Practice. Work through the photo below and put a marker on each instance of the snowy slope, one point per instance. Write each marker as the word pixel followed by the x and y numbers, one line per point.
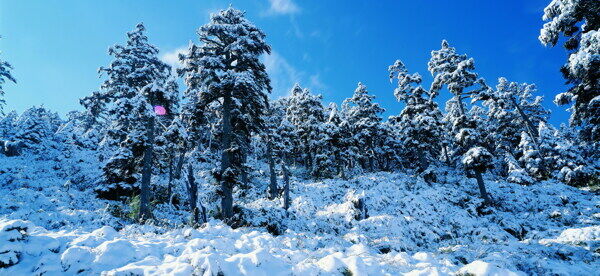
pixel 54 228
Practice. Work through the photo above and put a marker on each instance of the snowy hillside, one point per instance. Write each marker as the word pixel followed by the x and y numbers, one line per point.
pixel 412 227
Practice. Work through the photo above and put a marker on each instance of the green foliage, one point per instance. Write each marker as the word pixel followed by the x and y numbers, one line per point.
pixel 134 207
pixel 116 211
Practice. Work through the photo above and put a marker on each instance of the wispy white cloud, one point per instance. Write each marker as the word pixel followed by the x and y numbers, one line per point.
pixel 282 74
pixel 283 7
pixel 172 57
pixel 316 83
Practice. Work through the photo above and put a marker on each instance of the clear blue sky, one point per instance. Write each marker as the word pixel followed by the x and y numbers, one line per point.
pixel 56 46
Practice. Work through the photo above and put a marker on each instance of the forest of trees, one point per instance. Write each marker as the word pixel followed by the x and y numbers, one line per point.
pixel 142 127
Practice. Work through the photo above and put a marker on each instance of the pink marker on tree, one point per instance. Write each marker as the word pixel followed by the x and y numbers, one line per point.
pixel 160 110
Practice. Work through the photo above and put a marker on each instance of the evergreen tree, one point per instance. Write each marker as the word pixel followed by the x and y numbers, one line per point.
pixel 136 81
pixel 478 160
pixel 7 125
pixel 579 22
pixel 226 66
pixel 512 109
pixel 419 123
pixel 306 113
pixel 36 128
pixel 343 149
pixel 364 118
pixel 455 71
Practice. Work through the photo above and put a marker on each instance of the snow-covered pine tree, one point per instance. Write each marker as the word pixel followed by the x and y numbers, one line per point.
pixel 563 156
pixel 7 125
pixel 344 150
pixel 306 113
pixel 135 71
pixel 36 128
pixel 516 173
pixel 364 118
pixel 511 109
pixel 579 22
pixel 478 160
pixel 531 156
pixel 420 122
pixel 456 73
pixel 79 130
pixel 226 67
pixel 5 74
pixel 325 164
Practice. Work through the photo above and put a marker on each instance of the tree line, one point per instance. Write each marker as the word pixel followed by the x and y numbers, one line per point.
pixel 141 125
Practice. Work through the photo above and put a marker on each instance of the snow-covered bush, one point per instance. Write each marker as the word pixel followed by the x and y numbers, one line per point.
pixel 13 234
pixel 477 159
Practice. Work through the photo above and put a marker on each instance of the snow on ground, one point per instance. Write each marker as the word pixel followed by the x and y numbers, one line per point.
pixel 50 227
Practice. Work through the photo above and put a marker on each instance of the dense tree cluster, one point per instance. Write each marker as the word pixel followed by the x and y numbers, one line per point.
pixel 140 125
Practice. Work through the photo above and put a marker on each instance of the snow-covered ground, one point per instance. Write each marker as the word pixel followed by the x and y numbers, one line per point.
pixel 52 227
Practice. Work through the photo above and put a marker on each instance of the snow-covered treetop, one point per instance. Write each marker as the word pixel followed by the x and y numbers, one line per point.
pixel 454 70
pixel 228 63
pixel 408 84
pixel 136 68
pixel 586 61
pixel 360 109
pixel 564 17
pixel 477 159
pixel 522 94
pixel 304 108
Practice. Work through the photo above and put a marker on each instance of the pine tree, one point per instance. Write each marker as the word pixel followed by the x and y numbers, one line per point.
pixel 512 108
pixel 226 66
pixel 5 74
pixel 136 81
pixel 343 149
pixel 306 113
pixel 478 160
pixel 7 125
pixel 419 124
pixel 325 151
pixel 455 71
pixel 36 128
pixel 579 22
pixel 364 118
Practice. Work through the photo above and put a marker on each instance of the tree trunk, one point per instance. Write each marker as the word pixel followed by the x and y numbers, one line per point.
pixel 244 172
pixel 445 150
pixel 482 189
pixel 423 161
pixel 227 170
pixel 286 185
pixel 272 192
pixel 192 188
pixel 532 133
pixel 170 184
pixel 528 124
pixel 144 212
pixel 461 107
pixel 179 167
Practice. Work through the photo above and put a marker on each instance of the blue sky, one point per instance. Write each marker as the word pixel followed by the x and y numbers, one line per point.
pixel 56 46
